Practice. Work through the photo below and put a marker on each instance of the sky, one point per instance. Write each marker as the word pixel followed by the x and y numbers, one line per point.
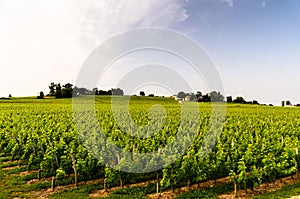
pixel 254 44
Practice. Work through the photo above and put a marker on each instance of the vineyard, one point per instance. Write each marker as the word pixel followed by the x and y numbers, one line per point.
pixel 258 144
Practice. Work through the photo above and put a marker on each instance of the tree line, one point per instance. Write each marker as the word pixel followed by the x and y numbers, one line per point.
pixel 69 91
pixel 213 96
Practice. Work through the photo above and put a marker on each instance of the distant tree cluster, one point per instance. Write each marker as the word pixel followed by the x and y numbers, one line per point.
pixel 113 91
pixel 41 96
pixel 287 103
pixel 143 94
pixel 213 96
pixel 240 100
pixel 67 91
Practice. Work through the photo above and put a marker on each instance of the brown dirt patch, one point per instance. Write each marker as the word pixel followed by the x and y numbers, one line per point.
pixel 170 194
pixel 34 181
pixel 43 194
pixel 263 188
pixel 10 168
pixel 9 161
pixel 27 172
pixel 23 173
pixel 241 194
pixel 102 193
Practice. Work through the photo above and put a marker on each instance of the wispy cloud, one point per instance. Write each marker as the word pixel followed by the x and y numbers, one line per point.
pixel 205 21
pixel 229 2
pixel 106 18
pixel 264 3
pixel 188 2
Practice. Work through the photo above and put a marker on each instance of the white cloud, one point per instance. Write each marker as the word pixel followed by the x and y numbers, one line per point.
pixel 107 18
pixel 44 41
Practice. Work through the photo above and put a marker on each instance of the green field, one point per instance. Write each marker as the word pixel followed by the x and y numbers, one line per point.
pixel 258 144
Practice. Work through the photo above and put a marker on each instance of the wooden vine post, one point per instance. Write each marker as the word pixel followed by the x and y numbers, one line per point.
pixel 120 177
pixel 189 180
pixel 172 182
pixel 39 174
pixel 297 153
pixel 157 182
pixel 104 185
pixel 53 183
pixel 75 169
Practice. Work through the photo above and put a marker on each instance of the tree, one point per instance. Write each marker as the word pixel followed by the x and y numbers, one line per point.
pixel 206 98
pixel 109 92
pixel 151 95
pixel 117 91
pixel 9 96
pixel 229 99
pixel 58 93
pixel 288 103
pixel 41 96
pixel 283 103
pixel 142 93
pixel 81 91
pixel 193 96
pixel 239 100
pixel 95 91
pixel 67 90
pixel 52 88
pixel 102 92
pixel 216 96
pixel 182 94
pixel 198 96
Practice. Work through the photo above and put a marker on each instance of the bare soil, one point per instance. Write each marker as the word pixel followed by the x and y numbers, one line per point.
pixel 43 194
pixel 9 161
pixel 170 194
pixel 263 188
pixel 27 172
pixel 241 194
pixel 102 193
pixel 10 168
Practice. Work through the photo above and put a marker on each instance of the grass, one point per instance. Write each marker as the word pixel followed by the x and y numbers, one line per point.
pixel 12 186
pixel 4 159
pixel 210 192
pixel 10 164
pixel 79 192
pixel 284 192
pixel 16 170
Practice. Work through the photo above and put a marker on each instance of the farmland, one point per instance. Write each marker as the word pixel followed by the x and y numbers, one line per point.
pixel 38 138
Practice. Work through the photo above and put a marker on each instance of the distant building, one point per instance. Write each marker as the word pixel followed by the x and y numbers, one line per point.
pixel 187 98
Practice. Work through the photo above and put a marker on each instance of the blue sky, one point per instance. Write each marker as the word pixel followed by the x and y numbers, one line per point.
pixel 254 43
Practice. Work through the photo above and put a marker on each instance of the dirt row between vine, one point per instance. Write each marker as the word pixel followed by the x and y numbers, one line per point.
pixel 10 168
pixel 102 193
pixel 263 188
pixel 9 161
pixel 43 194
pixel 241 194
pixel 4 163
pixel 169 194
